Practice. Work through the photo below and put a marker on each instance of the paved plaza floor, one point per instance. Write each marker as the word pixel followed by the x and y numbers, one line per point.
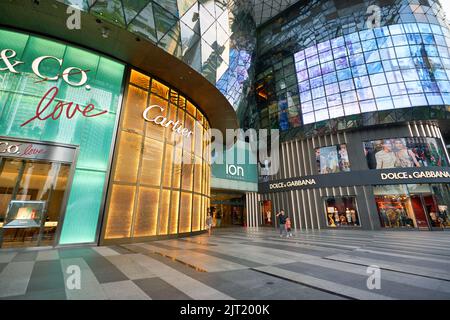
pixel 239 263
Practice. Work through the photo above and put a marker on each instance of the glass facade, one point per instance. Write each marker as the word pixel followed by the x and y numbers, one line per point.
pixel 214 37
pixel 420 206
pixel 320 67
pixel 161 178
pixel 393 67
pixel 42 99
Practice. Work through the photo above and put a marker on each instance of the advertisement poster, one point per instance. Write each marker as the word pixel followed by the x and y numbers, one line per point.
pixel 332 159
pixel 404 153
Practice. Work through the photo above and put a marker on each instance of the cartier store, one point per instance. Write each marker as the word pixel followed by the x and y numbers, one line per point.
pixel 94 151
pixel 161 170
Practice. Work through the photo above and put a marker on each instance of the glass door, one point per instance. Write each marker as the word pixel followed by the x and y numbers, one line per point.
pixel 31 198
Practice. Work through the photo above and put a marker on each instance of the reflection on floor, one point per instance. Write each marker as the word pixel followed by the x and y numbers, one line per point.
pixel 238 263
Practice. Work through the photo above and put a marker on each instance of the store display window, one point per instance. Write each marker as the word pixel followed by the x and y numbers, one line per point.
pixel 420 206
pixel 342 212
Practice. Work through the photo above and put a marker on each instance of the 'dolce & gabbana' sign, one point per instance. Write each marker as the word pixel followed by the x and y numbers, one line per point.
pixel 50 107
pixel 415 175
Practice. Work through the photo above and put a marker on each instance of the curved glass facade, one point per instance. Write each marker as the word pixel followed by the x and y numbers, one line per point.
pixel 160 183
pixel 319 67
pixel 397 66
pixel 214 37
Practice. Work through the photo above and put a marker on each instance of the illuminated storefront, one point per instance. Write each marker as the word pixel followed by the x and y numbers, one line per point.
pixel 58 109
pixel 161 172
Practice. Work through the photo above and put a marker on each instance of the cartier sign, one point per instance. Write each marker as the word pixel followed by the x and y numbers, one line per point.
pixel 164 122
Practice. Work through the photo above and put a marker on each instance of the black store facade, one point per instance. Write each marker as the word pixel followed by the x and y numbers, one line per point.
pixel 379 178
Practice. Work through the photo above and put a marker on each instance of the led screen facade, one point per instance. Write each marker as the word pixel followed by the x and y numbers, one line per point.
pixel 397 66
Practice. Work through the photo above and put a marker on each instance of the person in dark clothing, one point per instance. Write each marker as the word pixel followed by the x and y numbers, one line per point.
pixel 282 222
pixel 218 218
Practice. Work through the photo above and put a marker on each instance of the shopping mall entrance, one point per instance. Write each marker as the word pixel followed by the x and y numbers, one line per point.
pixel 228 208
pixel 413 206
pixel 34 180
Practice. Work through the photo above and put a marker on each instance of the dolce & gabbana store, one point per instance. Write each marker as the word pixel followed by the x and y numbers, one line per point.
pixel 395 178
pixel 93 150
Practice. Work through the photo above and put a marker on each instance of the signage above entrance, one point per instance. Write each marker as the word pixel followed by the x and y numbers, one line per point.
pixel 164 122
pixel 7 56
pixel 355 178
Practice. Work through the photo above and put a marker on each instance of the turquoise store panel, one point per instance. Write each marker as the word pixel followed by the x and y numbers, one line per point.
pixel 53 92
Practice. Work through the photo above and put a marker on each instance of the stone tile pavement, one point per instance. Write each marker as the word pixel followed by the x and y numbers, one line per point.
pixel 238 263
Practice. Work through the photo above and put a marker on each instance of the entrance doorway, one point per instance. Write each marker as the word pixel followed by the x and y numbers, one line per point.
pixel 408 206
pixel 32 195
pixel 227 209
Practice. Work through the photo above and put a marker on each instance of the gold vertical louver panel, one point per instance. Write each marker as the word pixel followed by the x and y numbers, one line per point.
pixel 146 212
pixel 160 179
pixel 127 157
pixel 120 212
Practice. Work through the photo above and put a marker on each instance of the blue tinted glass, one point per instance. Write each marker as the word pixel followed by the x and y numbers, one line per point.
pixel 436 29
pixel 331 89
pixel 410 28
pixel 314 71
pixel 304 86
pixel 366 34
pixel 356 59
pixel 344 74
pixel 414 87
pixel 302 75
pixel 440 74
pixel 342 63
pixel 375 67
pixel 359 70
pixel 327 67
pixel 312 61
pixel 339 52
pixel 380 32
pixel 337 42
pixel 401 102
pixel 444 86
pixel 434 98
pixel 324 46
pixel 424 28
pixel 418 100
pixel 318 92
pixel 346 85
pixel 305 96
pixel 361 82
pixel 431 51
pixel 428 38
pixel 402 52
pixel 399 40
pixel 349 96
pixel 310 51
pixel 410 75
pixel 372 56
pixel 316 82
pixel 326 56
pixel 396 29
pixel 414 38
pixel 406 63
pixel 384 103
pixel 381 91
pixel 377 79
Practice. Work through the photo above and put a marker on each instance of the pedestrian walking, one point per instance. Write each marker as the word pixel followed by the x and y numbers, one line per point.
pixel 281 222
pixel 209 223
pixel 288 227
